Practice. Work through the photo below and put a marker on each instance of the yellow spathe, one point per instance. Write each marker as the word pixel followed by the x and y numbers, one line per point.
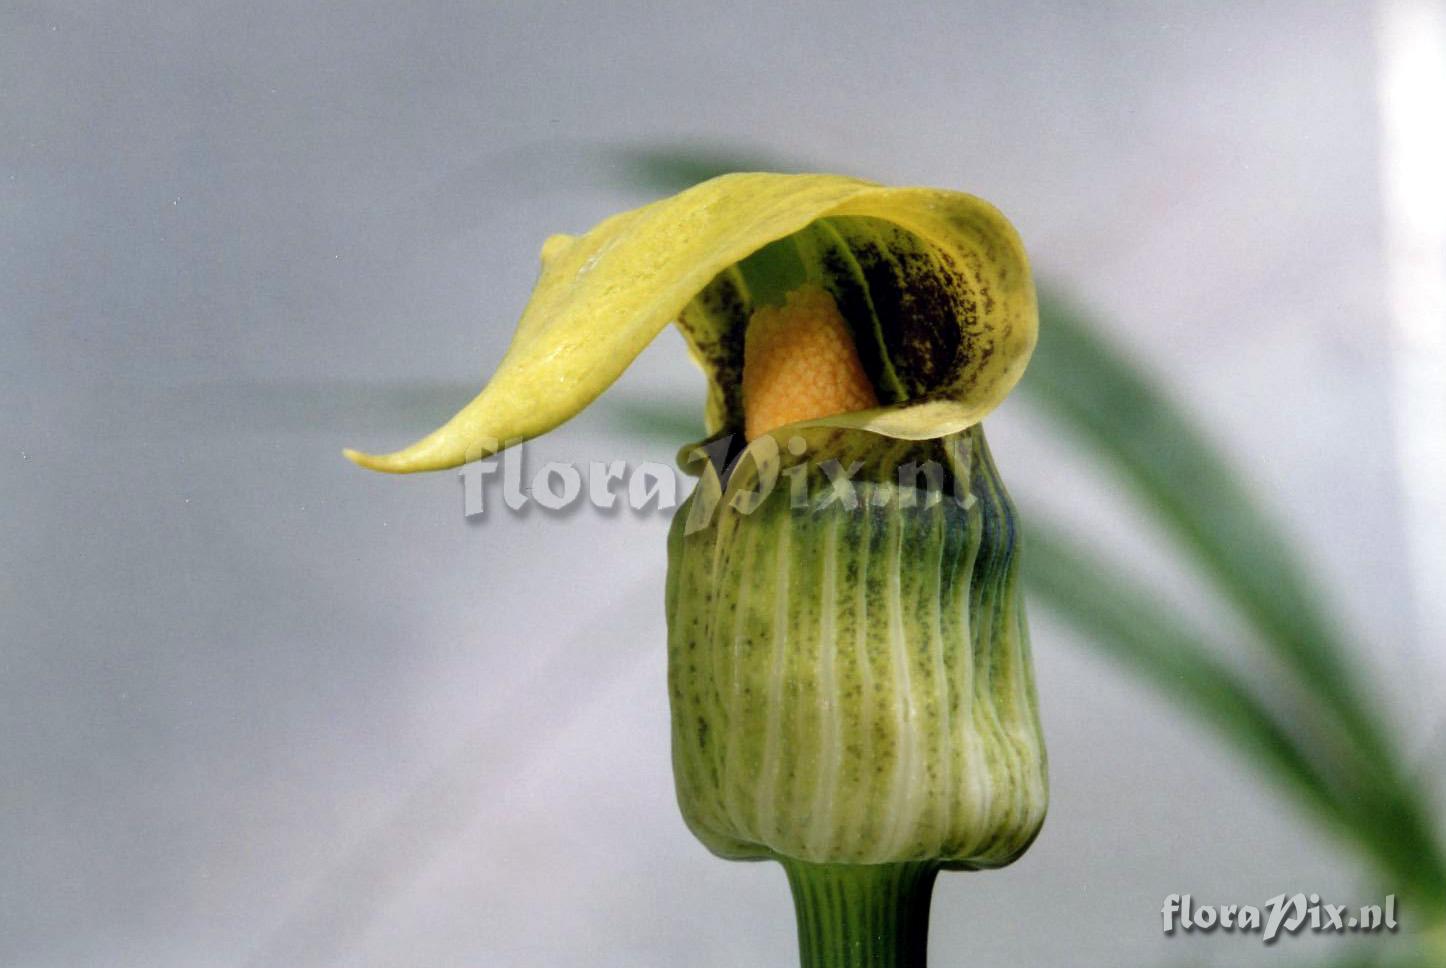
pixel 603 296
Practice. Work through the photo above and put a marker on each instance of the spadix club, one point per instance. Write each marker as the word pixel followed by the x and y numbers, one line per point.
pixel 743 476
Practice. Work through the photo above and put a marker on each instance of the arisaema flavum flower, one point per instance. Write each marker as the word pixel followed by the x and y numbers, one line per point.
pixel 851 686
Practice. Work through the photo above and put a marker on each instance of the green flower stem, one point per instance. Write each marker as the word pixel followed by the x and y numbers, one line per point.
pixel 862 915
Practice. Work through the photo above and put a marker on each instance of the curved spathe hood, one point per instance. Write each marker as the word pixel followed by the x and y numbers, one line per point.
pixel 939 277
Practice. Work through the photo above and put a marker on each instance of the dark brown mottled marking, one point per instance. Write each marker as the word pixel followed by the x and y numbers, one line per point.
pixel 718 336
pixel 927 314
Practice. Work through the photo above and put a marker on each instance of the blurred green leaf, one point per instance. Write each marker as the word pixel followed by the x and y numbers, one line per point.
pixel 667 170
pixel 1132 625
pixel 1101 399
pixel 655 419
pixel 1105 401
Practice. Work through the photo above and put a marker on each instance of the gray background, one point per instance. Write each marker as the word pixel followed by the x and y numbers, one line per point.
pixel 258 707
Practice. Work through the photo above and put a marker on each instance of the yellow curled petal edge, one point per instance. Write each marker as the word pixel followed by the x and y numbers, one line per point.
pixel 603 296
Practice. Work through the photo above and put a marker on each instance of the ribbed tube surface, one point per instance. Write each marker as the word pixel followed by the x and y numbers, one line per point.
pixel 851 683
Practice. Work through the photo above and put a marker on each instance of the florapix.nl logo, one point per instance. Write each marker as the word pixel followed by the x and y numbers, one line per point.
pixel 812 481
pixel 1282 914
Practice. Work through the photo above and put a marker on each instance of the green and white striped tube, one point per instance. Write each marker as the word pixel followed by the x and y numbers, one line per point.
pixel 851 680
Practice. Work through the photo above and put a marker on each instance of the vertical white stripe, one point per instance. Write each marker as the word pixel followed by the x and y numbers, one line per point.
pixel 743 815
pixel 863 651
pixel 904 811
pixel 770 824
pixel 830 749
pixel 1412 92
